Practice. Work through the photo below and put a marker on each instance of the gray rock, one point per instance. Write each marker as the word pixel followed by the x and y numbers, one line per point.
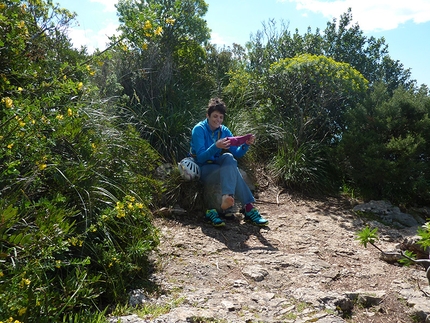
pixel 387 213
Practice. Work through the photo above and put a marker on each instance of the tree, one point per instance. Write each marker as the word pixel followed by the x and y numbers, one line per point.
pixel 386 146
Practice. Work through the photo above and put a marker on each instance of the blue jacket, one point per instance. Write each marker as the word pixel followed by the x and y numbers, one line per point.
pixel 203 143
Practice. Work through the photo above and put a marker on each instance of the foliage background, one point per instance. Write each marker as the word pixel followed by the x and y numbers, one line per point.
pixel 82 135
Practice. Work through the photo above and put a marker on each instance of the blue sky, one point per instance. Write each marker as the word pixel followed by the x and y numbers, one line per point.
pixel 405 25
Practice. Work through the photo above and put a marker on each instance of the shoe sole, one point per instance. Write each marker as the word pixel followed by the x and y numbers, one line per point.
pixel 217 225
pixel 257 224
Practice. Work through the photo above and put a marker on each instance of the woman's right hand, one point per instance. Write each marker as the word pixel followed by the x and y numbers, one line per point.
pixel 223 143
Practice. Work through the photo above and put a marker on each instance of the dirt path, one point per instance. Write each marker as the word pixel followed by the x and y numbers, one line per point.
pixel 243 273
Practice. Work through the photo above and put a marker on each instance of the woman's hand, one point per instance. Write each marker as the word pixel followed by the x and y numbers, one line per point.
pixel 251 140
pixel 223 143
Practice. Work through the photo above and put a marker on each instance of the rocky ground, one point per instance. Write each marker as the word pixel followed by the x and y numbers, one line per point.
pixel 306 266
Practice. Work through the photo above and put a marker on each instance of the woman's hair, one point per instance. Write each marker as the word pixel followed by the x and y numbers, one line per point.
pixel 216 104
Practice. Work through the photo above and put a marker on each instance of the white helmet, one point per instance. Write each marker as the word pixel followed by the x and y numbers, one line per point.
pixel 188 169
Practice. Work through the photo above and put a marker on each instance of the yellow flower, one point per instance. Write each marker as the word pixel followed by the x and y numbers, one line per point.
pixel 93 146
pixel 139 205
pixel 22 311
pixel 21 24
pixel 42 166
pixel 10 146
pixel 2 6
pixel 130 206
pixel 170 21
pixel 64 77
pixel 24 282
pixel 8 102
pixel 158 31
pixel 58 263
pixel 21 123
pixel 19 89
pixel 59 117
pixel 1 274
pixel 92 73
pixel 80 85
pixel 145 46
pixel 121 214
pixel 69 112
pixel 147 25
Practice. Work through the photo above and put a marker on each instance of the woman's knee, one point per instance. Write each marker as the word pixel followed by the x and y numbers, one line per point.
pixel 228 158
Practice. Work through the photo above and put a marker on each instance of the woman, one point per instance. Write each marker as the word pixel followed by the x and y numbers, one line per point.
pixel 209 139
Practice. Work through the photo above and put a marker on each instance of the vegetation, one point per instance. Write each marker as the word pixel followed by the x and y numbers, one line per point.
pixel 81 136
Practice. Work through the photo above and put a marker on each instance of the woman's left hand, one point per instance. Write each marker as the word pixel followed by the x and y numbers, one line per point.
pixel 251 140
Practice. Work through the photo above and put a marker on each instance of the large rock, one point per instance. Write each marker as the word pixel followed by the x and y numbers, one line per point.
pixel 388 214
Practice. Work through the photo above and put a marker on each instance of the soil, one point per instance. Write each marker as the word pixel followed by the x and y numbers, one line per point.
pixel 204 265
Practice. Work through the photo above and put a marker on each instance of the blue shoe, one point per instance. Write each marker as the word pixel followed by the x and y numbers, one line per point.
pixel 212 217
pixel 254 217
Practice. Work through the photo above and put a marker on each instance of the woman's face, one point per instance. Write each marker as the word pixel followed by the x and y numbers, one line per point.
pixel 215 120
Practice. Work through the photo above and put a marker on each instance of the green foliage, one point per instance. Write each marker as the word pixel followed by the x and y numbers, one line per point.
pixel 313 93
pixel 367 235
pixel 424 234
pixel 386 146
pixel 407 262
pixel 76 184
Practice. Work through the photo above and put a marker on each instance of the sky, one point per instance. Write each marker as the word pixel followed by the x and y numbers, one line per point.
pixel 405 25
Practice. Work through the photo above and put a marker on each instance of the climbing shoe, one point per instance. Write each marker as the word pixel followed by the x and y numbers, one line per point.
pixel 228 214
pixel 254 217
pixel 212 217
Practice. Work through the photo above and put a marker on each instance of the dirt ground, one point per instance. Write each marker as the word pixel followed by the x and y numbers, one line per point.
pixel 195 259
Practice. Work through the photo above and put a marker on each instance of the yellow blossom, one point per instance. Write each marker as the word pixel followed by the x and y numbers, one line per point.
pixel 93 146
pixel 1 274
pixel 42 166
pixel 121 214
pixel 170 21
pixel 64 77
pixel 69 112
pixel 59 117
pixel 2 6
pixel 130 198
pixel 92 73
pixel 80 85
pixel 10 146
pixel 147 25
pixel 21 123
pixel 24 282
pixel 8 102
pixel 19 89
pixel 145 46
pixel 58 263
pixel 22 311
pixel 158 31
pixel 148 34
pixel 21 24
pixel 110 265
pixel 130 206
pixel 139 205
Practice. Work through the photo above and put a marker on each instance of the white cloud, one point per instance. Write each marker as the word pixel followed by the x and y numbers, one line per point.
pixel 92 39
pixel 371 15
pixel 109 4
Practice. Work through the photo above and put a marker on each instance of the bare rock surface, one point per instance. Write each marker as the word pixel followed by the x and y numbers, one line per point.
pixel 306 266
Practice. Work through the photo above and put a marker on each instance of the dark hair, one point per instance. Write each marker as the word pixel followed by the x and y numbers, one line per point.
pixel 216 104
